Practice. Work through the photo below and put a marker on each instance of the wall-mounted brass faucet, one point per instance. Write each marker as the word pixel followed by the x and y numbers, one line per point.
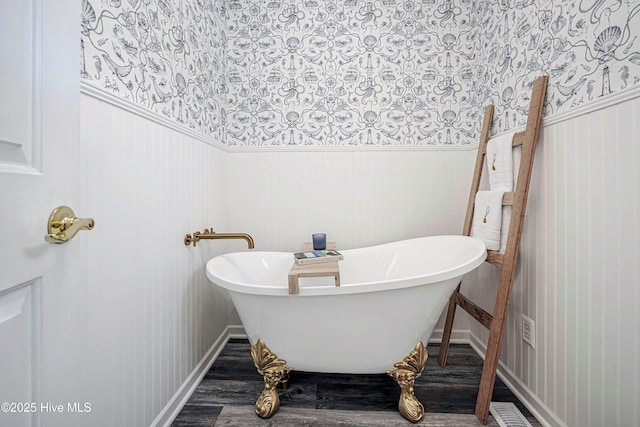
pixel 209 234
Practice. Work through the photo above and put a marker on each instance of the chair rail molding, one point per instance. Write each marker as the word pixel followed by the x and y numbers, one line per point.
pixel 105 96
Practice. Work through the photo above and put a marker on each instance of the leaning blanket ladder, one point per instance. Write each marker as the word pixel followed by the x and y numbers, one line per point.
pixel 507 261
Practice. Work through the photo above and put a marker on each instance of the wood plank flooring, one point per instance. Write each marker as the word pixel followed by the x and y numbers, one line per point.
pixel 227 394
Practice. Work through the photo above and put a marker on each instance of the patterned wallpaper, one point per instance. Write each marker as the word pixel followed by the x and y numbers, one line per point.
pixel 356 72
pixel 349 73
pixel 168 56
pixel 589 49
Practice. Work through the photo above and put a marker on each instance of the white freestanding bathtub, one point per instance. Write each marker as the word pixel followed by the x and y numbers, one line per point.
pixel 390 298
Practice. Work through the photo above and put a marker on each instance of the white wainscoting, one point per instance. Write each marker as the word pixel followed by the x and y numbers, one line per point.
pixel 153 317
pixel 359 198
pixel 156 324
pixel 578 276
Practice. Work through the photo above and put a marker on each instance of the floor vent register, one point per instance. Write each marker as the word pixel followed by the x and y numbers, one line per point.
pixel 507 414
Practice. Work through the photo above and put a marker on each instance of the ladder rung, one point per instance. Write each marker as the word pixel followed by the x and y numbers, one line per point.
pixel 477 312
pixel 507 199
pixel 518 139
pixel 494 258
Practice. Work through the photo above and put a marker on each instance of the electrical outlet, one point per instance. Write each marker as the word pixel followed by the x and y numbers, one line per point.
pixel 529 331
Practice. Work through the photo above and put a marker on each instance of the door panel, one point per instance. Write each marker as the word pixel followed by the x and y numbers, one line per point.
pixel 42 285
pixel 20 326
pixel 18 109
pixel 20 142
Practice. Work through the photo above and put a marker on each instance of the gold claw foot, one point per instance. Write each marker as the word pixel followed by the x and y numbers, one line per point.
pixel 405 373
pixel 274 371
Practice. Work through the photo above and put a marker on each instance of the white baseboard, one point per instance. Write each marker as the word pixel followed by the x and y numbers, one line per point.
pixel 537 408
pixel 458 336
pixel 177 402
pixel 236 331
pixel 180 398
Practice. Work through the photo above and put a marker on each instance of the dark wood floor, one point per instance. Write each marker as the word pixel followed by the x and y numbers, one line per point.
pixel 229 390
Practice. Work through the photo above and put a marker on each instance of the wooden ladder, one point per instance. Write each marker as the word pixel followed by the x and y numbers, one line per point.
pixel 507 261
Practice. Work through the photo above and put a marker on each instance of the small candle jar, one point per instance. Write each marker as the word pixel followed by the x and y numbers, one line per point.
pixel 319 241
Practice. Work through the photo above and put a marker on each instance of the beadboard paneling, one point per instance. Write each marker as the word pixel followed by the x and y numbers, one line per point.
pixel 359 198
pixel 153 316
pixel 578 275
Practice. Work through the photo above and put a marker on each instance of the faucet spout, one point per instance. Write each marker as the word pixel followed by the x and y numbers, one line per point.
pixel 212 235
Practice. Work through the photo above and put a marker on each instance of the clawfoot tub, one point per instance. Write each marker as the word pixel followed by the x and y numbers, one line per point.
pixel 390 298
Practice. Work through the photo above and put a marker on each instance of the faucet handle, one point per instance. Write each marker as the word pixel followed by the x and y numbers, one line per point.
pixel 189 239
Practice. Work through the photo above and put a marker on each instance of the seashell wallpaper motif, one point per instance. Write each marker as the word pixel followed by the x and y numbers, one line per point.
pixel 356 72
pixel 589 49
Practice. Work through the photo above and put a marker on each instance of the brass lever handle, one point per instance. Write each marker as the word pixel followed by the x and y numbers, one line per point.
pixel 63 225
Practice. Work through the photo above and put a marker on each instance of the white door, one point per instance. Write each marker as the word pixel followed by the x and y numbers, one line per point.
pixel 41 284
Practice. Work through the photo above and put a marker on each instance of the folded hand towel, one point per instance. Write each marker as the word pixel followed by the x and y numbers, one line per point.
pixel 500 162
pixel 504 228
pixel 517 159
pixel 506 210
pixel 487 218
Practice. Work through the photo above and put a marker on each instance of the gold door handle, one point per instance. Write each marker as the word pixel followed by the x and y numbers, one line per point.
pixel 63 225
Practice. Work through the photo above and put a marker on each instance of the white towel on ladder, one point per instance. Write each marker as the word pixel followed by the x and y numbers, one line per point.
pixel 506 210
pixel 500 162
pixel 487 218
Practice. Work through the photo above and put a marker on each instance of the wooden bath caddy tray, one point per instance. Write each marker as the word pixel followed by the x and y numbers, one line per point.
pixel 321 269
